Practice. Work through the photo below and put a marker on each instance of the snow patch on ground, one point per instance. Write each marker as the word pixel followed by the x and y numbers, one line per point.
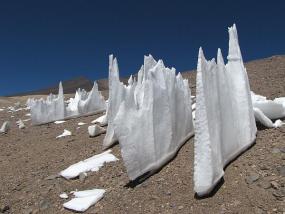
pixel 84 199
pixel 59 121
pixel 81 124
pixel 91 164
pixel 64 134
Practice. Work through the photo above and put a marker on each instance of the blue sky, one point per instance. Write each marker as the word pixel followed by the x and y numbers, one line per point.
pixel 43 42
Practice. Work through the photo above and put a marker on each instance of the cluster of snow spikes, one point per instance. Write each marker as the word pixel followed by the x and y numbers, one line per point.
pixel 154 117
pixel 224 125
pixel 54 107
pixel 86 102
pixel 51 109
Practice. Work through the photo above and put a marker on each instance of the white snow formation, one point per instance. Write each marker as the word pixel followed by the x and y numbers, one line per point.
pixel 51 109
pixel 20 124
pixel 86 102
pixel 154 118
pixel 267 110
pixel 59 121
pixel 63 195
pixel 81 123
pixel 84 199
pixel 224 124
pixel 64 134
pixel 102 120
pixel 91 164
pixel 116 96
pixel 54 107
pixel 5 127
pixel 95 130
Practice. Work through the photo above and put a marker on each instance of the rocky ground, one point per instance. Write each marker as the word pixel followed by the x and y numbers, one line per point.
pixel 32 157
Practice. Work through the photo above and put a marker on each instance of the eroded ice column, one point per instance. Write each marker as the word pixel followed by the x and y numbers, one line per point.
pixel 93 102
pixel 116 95
pixel 224 125
pixel 154 119
pixel 51 109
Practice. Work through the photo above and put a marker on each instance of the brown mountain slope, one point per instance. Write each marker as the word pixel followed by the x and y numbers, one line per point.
pixel 31 158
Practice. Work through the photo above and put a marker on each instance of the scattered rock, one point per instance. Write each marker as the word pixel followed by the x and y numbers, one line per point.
pixel 275 185
pixel 168 193
pixel 44 204
pixel 279 194
pixel 265 184
pixel 52 177
pixel 4 208
pixel 5 127
pixel 180 207
pixel 282 150
pixel 275 150
pixel 32 211
pixel 252 178
pixel 282 170
pixel 258 210
pixel 82 177
pixel 263 167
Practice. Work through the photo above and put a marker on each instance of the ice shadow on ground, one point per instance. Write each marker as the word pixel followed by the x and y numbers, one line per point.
pixel 145 176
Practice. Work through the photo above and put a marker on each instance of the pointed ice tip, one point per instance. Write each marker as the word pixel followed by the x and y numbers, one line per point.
pixel 130 80
pixel 234 49
pixel 220 59
pixel 200 59
pixel 201 53
pixel 60 89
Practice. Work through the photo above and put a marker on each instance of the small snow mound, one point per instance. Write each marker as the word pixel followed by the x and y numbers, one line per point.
pixel 63 195
pixel 278 123
pixel 59 121
pixel 21 124
pixel 102 121
pixel 5 127
pixel 95 130
pixel 64 134
pixel 81 123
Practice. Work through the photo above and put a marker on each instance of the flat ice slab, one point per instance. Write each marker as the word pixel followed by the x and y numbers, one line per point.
pixel 101 121
pixel 84 199
pixel 91 164
pixel 265 110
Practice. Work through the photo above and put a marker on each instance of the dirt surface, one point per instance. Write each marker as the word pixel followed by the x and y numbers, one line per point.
pixel 30 159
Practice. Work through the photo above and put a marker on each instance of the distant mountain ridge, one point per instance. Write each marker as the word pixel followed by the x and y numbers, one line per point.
pixel 254 67
pixel 70 86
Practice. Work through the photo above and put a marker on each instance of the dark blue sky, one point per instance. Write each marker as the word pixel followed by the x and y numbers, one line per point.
pixel 43 42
